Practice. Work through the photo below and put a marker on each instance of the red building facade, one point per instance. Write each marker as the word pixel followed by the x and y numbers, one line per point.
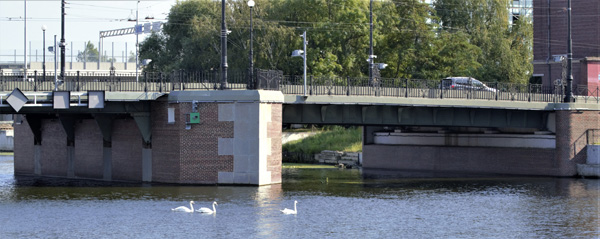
pixel 550 43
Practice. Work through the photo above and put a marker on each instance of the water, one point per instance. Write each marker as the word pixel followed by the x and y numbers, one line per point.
pixel 332 203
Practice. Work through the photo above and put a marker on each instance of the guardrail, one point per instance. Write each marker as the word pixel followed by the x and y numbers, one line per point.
pixel 274 80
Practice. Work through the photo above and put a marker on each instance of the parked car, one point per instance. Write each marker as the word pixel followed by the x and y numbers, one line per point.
pixel 465 83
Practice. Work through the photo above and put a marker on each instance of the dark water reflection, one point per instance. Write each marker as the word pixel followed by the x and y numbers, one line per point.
pixel 332 203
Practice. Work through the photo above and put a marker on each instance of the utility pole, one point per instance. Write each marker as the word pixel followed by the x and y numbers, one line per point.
pixel 371 42
pixel 137 44
pixel 62 40
pixel 304 42
pixel 25 41
pixel 251 84
pixel 223 48
pixel 569 91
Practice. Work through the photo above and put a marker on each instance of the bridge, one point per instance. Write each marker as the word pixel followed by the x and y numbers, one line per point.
pixel 176 128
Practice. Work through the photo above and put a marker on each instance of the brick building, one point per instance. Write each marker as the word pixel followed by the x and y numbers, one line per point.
pixel 550 43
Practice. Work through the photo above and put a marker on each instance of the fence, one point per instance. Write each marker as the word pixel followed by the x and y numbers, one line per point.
pixel 274 80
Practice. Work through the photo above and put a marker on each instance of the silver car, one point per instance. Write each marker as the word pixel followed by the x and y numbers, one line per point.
pixel 464 83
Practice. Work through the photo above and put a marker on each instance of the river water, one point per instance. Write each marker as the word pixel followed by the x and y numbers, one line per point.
pixel 332 203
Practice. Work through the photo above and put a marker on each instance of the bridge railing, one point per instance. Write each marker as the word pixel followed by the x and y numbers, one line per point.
pixel 273 80
pixel 417 88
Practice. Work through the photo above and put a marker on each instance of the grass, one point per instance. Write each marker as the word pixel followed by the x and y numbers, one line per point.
pixel 334 138
pixel 302 165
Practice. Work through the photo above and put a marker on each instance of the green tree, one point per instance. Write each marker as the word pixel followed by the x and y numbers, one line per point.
pixel 505 50
pixel 89 54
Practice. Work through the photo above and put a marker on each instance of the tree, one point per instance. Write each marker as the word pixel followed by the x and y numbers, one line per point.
pixel 505 50
pixel 415 39
pixel 89 54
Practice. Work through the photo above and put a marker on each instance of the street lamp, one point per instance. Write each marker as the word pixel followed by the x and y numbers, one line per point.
pixel 302 53
pixel 44 52
pixel 223 47
pixel 569 98
pixel 371 55
pixel 53 50
pixel 251 79
pixel 136 30
pixel 25 41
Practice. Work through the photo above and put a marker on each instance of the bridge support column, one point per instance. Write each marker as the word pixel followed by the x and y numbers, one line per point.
pixel 68 124
pixel 144 124
pixel 235 139
pixel 105 123
pixel 571 137
pixel 35 124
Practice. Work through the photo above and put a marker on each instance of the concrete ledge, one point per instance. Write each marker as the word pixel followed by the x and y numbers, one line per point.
pixel 260 96
pixel 593 154
pixel 467 140
pixel 588 170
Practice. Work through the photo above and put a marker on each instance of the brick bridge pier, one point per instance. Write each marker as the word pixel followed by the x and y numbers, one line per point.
pixel 187 137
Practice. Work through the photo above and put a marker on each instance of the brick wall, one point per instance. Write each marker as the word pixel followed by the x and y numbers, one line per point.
pixel 585 24
pixel 126 151
pixel 274 133
pixel 200 162
pixel 188 156
pixel 525 161
pixel 165 143
pixel 571 127
pixel 54 148
pixel 23 148
pixel 88 149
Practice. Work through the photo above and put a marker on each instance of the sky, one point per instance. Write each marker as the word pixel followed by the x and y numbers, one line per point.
pixel 83 22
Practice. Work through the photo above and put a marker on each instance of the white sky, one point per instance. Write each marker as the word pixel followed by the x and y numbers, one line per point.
pixel 83 22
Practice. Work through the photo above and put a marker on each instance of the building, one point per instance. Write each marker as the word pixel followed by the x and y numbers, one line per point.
pixel 519 9
pixel 550 43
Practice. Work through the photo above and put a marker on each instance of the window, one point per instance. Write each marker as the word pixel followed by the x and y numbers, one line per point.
pixel 171 115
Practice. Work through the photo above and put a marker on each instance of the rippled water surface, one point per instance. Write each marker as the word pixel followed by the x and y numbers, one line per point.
pixel 332 203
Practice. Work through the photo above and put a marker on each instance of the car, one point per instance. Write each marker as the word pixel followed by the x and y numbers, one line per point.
pixel 464 83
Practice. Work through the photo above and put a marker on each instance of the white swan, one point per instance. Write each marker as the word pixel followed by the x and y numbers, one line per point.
pixel 290 211
pixel 207 210
pixel 184 208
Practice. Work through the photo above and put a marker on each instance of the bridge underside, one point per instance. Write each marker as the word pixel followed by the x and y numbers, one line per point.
pixel 393 115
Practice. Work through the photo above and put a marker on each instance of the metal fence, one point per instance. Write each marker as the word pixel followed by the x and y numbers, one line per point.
pixel 274 80
pixel 414 88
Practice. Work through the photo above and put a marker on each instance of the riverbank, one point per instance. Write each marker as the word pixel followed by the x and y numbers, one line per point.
pixel 335 138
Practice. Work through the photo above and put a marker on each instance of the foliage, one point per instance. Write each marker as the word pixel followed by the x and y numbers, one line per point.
pixel 89 54
pixel 415 39
pixel 505 51
pixel 336 138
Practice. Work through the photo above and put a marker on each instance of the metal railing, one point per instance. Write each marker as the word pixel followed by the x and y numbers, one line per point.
pixel 274 80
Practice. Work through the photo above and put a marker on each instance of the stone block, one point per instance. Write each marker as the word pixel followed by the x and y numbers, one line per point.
pixel 240 164
pixel 226 146
pixel 240 178
pixel 226 177
pixel 226 112
pixel 593 154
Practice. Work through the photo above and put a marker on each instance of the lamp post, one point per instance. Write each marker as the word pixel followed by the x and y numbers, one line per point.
pixel 302 53
pixel 55 65
pixel 25 41
pixel 569 91
pixel 136 30
pixel 251 84
pixel 223 48
pixel 371 56
pixel 44 52
pixel 62 40
pixel 137 44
